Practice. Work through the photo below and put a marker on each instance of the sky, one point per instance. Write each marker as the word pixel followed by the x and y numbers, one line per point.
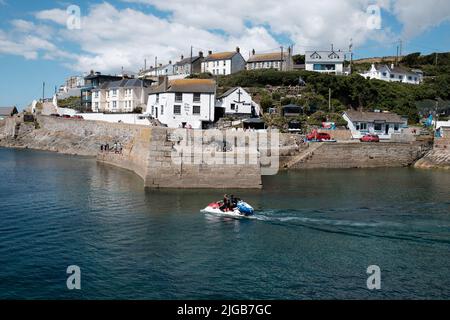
pixel 48 41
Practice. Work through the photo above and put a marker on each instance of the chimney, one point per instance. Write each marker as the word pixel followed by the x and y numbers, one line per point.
pixel 209 52
pixel 166 83
pixel 160 65
pixel 170 61
pixel 253 52
pixel 200 54
pixel 238 50
pixel 182 57
pixel 392 66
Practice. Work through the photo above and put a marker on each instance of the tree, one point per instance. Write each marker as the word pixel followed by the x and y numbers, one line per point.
pixel 266 102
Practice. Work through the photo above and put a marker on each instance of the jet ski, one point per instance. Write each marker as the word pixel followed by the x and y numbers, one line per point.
pixel 241 210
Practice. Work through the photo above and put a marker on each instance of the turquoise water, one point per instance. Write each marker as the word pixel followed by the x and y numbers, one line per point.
pixel 314 236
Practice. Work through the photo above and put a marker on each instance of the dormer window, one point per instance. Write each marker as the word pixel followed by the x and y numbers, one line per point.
pixel 333 55
pixel 315 55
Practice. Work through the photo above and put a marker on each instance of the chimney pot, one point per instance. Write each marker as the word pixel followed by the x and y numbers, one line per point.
pixel 238 49
pixel 182 57
pixel 209 52
pixel 253 52
pixel 200 54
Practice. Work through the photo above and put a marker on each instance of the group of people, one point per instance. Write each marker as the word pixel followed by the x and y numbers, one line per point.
pixel 117 147
pixel 229 203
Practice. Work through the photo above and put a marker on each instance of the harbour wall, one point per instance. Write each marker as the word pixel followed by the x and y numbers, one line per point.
pixel 439 156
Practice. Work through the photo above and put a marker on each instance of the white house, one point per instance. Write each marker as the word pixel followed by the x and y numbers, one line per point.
pixel 183 103
pixel 393 74
pixel 383 124
pixel 120 96
pixel 325 61
pixel 160 70
pixel 223 63
pixel 277 60
pixel 237 101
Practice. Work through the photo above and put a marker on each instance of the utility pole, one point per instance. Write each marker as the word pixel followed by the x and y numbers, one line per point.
pixel 396 59
pixel 145 64
pixel 401 47
pixel 190 69
pixel 329 99
pixel 43 91
pixel 156 66
pixel 350 48
pixel 281 66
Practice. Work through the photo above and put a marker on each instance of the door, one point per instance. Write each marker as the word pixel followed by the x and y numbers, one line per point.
pixel 386 130
pixel 156 112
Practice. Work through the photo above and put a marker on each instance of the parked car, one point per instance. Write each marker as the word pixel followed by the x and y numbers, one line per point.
pixel 370 138
pixel 318 136
pixel 55 115
pixel 66 116
pixel 78 117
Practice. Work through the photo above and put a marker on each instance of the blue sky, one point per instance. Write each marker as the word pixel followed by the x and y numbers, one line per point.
pixel 37 46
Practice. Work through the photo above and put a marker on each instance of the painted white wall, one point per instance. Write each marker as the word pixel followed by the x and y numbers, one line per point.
pixel 242 107
pixel 385 74
pixel 163 110
pixel 218 67
pixel 339 68
pixel 358 133
pixel 128 118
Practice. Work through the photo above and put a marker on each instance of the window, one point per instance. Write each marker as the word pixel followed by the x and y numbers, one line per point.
pixel 178 97
pixel 409 78
pixel 153 109
pixel 377 126
pixel 384 74
pixel 114 104
pixel 363 126
pixel 233 106
pixel 196 110
pixel 176 109
pixel 157 97
pixel 114 92
pixel 396 126
pixel 196 97
pixel 400 77
pixel 224 71
pixel 96 94
pixel 392 76
pixel 224 63
pixel 96 105
pixel 162 110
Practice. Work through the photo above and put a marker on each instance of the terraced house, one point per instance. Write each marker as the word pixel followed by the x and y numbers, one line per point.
pixel 120 96
pixel 277 60
pixel 223 63
pixel 183 103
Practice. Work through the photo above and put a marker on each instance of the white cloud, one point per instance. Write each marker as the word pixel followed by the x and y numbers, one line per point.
pixel 112 38
pixel 419 16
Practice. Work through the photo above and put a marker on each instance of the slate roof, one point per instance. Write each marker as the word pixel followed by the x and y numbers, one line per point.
pixel 267 57
pixel 220 56
pixel 187 86
pixel 359 116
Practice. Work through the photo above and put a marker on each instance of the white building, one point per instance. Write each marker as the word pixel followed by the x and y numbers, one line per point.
pixel 160 70
pixel 393 74
pixel 223 63
pixel 325 61
pixel 189 65
pixel 277 60
pixel 183 103
pixel 237 101
pixel 383 124
pixel 120 96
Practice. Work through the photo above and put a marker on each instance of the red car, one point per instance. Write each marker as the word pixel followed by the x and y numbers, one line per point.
pixel 318 136
pixel 370 138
